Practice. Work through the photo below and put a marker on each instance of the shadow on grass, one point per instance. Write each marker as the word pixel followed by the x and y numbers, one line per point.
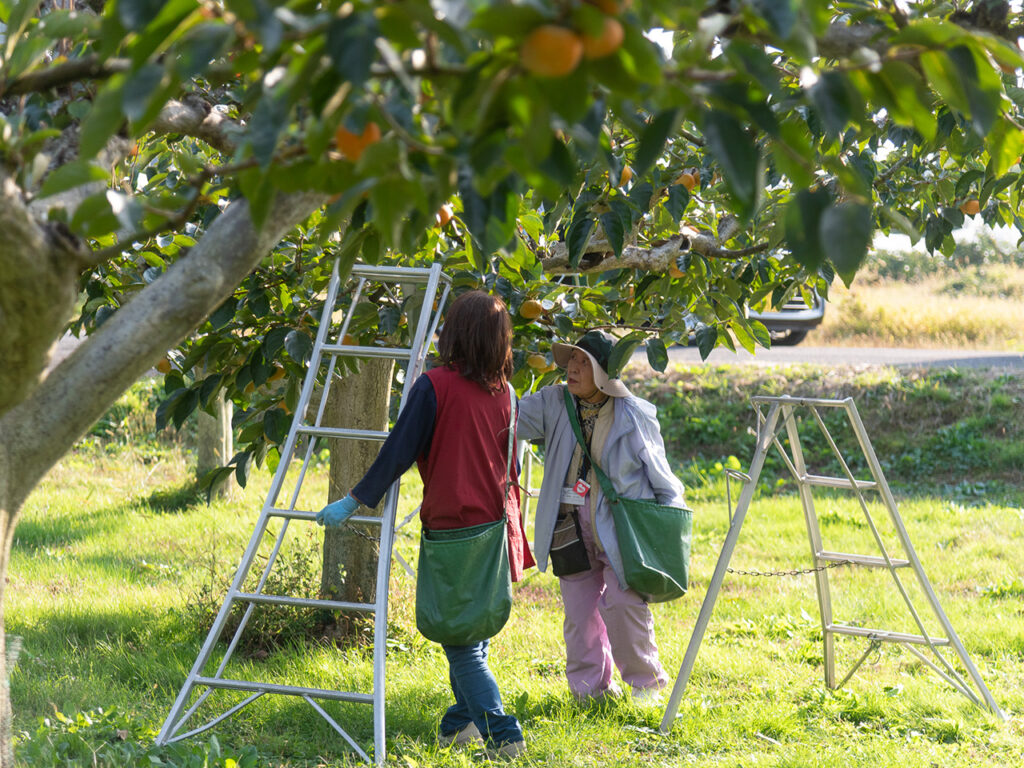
pixel 174 499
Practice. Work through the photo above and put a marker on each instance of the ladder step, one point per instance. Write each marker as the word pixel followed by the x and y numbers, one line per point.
pixel 396 353
pixel 301 514
pixel 353 434
pixel 401 274
pixel 883 635
pixel 837 482
pixel 289 690
pixel 304 602
pixel 871 560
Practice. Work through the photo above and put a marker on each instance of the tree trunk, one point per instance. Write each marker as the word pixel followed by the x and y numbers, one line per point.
pixel 215 443
pixel 357 401
pixel 7 519
pixel 41 419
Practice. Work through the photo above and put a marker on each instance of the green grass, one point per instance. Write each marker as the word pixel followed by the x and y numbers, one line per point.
pixel 116 563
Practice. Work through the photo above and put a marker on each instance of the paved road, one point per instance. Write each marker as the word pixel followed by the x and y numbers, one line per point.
pixel 958 358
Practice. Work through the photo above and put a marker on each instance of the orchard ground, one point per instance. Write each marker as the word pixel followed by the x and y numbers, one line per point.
pixel 118 565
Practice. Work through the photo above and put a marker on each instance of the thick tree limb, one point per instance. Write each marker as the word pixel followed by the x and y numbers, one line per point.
pixel 84 385
pixel 192 116
pixel 38 285
pixel 599 256
pixel 65 73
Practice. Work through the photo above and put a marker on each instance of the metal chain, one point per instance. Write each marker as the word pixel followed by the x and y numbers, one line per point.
pixel 795 572
pixel 362 534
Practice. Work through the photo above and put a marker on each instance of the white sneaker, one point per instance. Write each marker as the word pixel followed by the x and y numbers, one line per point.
pixel 468 735
pixel 507 751
pixel 647 697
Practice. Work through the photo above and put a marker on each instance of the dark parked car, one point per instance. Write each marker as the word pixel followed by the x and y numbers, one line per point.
pixel 790 324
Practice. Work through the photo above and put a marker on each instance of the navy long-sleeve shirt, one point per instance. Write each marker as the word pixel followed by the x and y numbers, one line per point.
pixel 409 440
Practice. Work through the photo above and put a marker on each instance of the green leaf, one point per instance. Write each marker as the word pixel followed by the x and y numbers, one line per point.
pixel 657 354
pixel 139 90
pixel 781 15
pixel 72 175
pixel 506 19
pixel 980 85
pixel 963 184
pixel 900 89
pixel 837 102
pixel 1005 146
pixel 846 232
pixel 351 45
pixel 707 339
pixel 71 24
pixel 269 121
pixel 16 19
pixel 274 341
pixel 760 333
pixel 136 14
pixel 578 236
pixel 676 201
pixel 803 227
pixel 652 140
pixel 298 345
pixel 94 216
pixel 209 387
pixel 736 153
pixel 275 425
pixel 167 406
pixel 640 57
pixel 103 120
pixel 614 230
pixel 901 222
pixel 622 352
pixel 242 462
pixel 202 45
pixel 743 334
pixel 935 230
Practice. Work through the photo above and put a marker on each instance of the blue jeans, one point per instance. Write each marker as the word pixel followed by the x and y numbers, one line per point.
pixel 477 698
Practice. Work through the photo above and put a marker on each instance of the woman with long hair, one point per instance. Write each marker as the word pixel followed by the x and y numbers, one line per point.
pixel 454 425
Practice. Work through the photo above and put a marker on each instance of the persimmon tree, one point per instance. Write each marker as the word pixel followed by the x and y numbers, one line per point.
pixel 191 170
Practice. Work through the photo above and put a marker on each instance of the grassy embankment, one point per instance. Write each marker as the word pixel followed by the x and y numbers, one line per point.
pixel 116 566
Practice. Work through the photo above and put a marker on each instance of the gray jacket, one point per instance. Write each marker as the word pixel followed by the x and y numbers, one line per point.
pixel 633 457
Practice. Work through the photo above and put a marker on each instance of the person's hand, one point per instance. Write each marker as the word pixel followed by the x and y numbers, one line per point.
pixel 337 512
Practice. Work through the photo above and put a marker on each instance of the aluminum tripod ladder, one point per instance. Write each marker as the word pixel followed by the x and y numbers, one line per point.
pixel 405 287
pixel 781 414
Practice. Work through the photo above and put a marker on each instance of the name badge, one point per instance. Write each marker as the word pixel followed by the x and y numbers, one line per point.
pixel 575 494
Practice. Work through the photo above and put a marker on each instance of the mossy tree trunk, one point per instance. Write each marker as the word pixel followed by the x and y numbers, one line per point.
pixel 215 443
pixel 357 401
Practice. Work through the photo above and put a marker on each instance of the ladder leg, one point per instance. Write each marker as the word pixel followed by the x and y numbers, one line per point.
pixel 814 537
pixel 765 437
pixel 926 587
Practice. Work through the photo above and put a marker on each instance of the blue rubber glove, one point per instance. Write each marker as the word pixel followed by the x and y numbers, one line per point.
pixel 337 512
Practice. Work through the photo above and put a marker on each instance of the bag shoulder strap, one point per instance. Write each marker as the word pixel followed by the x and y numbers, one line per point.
pixel 602 478
pixel 511 446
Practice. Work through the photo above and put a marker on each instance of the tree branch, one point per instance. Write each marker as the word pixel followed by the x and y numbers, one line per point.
pixel 85 384
pixel 65 73
pixel 38 286
pixel 658 257
pixel 192 116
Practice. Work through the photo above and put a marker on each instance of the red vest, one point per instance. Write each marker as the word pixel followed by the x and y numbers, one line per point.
pixel 464 471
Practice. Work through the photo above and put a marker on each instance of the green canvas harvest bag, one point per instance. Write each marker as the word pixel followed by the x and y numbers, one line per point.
pixel 463 580
pixel 463 585
pixel 653 538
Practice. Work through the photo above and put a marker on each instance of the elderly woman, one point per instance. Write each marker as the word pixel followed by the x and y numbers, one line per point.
pixel 606 622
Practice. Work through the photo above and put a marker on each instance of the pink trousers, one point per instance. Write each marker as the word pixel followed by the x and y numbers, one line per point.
pixel 606 624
